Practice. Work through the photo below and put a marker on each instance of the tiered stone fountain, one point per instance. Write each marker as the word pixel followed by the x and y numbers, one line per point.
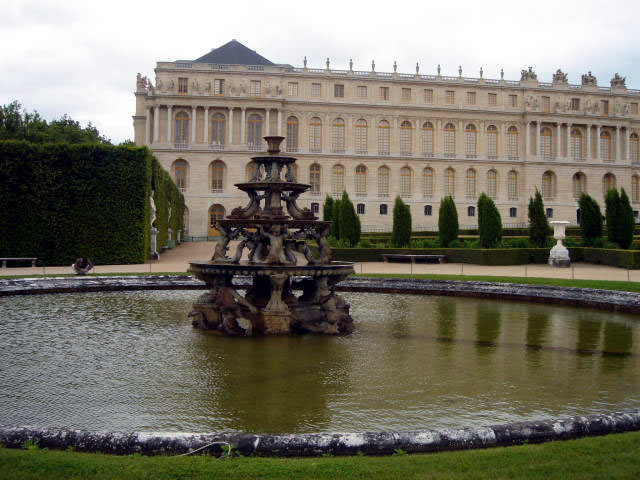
pixel 270 235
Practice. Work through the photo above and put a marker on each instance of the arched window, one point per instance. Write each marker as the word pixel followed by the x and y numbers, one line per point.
pixel 383 181
pixel 383 138
pixel 405 182
pixel 361 136
pixel 254 134
pixel 545 143
pixel 512 185
pixel 512 143
pixel 406 137
pixel 338 179
pixel 361 180
pixel 180 174
pixel 314 179
pixel 216 212
pixel 338 136
pixel 492 183
pixel 216 173
pixel 315 135
pixel 470 139
pixel 182 128
pixel 608 182
pixel 633 148
pixel 449 140
pixel 427 182
pixel 251 171
pixel 635 189
pixel 428 210
pixel 292 134
pixel 427 139
pixel 548 185
pixel 471 183
pixel 579 184
pixel 450 182
pixel 576 144
pixel 605 146
pixel 217 129
pixel 471 211
pixel 492 142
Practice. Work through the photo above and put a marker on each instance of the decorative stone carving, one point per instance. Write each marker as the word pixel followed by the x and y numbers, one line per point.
pixel 560 77
pixel 417 68
pixel 207 88
pixel 618 82
pixel 351 64
pixel 328 63
pixel 373 65
pixel 559 255
pixel 481 72
pixel 438 69
pixel 395 67
pixel 304 61
pixel 528 74
pixel 589 80
pixel 195 85
pixel 501 74
pixel 460 70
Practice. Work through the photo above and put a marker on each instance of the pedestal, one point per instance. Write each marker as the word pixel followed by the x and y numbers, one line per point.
pixel 559 255
pixel 153 252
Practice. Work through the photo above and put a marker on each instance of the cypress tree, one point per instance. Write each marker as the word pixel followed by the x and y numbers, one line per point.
pixel 447 221
pixel 612 214
pixel 626 222
pixel 489 223
pixel 349 221
pixel 401 233
pixel 335 219
pixel 327 209
pixel 538 223
pixel 590 219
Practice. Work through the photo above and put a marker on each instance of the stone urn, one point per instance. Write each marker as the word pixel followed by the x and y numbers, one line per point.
pixel 559 255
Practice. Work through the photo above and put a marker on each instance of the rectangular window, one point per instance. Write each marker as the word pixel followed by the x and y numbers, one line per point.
pixel 315 89
pixel 605 107
pixel 338 90
pixel 255 88
pixel 450 97
pixel 493 99
pixel 575 104
pixel 546 104
pixel 360 209
pixel 293 89
pixel 218 86
pixel 315 208
pixel 384 93
pixel 513 100
pixel 471 98
pixel 428 95
pixel 513 212
pixel 406 94
pixel 362 91
pixel 183 84
pixel 634 109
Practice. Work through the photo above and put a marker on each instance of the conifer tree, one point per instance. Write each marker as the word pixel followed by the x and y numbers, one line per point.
pixel 447 221
pixel 401 233
pixel 612 214
pixel 489 223
pixel 327 209
pixel 626 222
pixel 335 219
pixel 590 220
pixel 538 223
pixel 349 221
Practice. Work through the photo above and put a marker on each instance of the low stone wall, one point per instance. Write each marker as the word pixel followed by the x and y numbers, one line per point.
pixel 373 443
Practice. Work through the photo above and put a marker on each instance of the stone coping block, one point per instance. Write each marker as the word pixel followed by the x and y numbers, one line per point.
pixel 302 445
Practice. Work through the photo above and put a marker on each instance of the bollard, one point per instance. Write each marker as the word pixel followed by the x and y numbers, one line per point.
pixel 462 269
pixel 572 273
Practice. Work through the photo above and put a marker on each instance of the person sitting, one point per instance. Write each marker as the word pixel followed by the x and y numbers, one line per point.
pixel 82 266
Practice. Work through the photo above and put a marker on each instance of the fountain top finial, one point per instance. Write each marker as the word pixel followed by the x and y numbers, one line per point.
pixel 273 144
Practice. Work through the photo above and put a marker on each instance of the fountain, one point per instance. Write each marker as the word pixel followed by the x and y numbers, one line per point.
pixel 271 238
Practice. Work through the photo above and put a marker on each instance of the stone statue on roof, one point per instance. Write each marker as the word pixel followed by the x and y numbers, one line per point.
pixel 528 74
pixel 618 81
pixel 560 77
pixel 589 80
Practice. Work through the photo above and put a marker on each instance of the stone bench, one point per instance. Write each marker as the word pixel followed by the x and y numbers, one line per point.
pixel 391 257
pixel 26 259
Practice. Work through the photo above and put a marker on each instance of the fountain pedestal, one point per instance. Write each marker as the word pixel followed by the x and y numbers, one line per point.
pixel 559 255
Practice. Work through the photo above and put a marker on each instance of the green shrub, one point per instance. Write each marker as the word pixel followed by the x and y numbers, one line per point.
pixel 612 214
pixel 538 223
pixel 489 222
pixel 349 221
pixel 590 220
pixel 365 244
pixel 335 219
pixel 626 222
pixel 327 209
pixel 447 221
pixel 401 233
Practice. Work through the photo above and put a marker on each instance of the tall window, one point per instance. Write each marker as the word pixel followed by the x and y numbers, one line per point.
pixel 316 89
pixel 633 148
pixel 314 179
pixel 471 98
pixel 217 176
pixel 384 93
pixel 449 97
pixel 406 94
pixel 579 184
pixel 449 140
pixel 575 104
pixel 428 95
pixel 254 88
pixel 292 89
pixel 492 142
pixel 546 103
pixel 338 90
pixel 449 182
pixel 406 136
pixel 218 86
pixel 338 136
pixel 492 183
pixel 512 185
pixel 338 179
pixel 576 144
pixel 180 168
pixel 512 143
pixel 292 134
pixel 492 99
pixel 361 180
pixel 471 183
pixel 427 182
pixel 405 182
pixel 254 134
pixel 315 135
pixel 545 143
pixel 383 181
pixel 383 138
pixel 216 212
pixel 183 86
pixel 513 100
pixel 470 136
pixel 635 189
pixel 182 128
pixel 361 136
pixel 362 91
pixel 548 185
pixel 427 139
pixel 605 146
pixel 217 129
pixel 608 182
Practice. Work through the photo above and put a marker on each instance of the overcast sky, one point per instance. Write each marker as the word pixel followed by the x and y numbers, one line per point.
pixel 81 57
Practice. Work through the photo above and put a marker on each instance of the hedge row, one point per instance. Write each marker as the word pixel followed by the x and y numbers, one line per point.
pixel 606 256
pixel 59 202
pixel 165 195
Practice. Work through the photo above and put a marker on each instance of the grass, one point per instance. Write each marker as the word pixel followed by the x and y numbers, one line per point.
pixel 613 456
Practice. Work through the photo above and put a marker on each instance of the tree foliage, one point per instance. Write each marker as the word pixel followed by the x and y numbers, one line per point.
pixel 401 233
pixel 336 210
pixel 538 223
pixel 590 219
pixel 327 209
pixel 349 222
pixel 489 223
pixel 447 221
pixel 612 214
pixel 626 222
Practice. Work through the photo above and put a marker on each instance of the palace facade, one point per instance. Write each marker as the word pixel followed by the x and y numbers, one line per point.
pixel 378 135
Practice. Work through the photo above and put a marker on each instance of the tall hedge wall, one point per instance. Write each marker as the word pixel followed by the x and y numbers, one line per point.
pixel 59 202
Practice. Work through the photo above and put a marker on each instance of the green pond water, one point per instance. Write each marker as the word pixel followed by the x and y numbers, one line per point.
pixel 132 361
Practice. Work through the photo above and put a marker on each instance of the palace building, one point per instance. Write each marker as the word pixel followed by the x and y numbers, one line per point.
pixel 378 135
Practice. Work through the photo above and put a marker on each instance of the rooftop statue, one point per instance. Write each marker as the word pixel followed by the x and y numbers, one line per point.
pixel 589 80
pixel 528 74
pixel 618 81
pixel 560 77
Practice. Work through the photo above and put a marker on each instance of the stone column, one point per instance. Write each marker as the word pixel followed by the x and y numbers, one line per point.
pixel 230 129
pixel 156 123
pixel 205 130
pixel 243 140
pixel 617 143
pixel 438 140
pixel 193 127
pixel 279 129
pixel 147 135
pixel 558 143
pixel 267 123
pixel 538 149
pixel 527 150
pixel 598 146
pixel 169 122
pixel 626 145
pixel 588 149
pixel 569 125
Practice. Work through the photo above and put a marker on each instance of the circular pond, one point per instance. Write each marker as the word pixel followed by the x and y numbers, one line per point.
pixel 131 361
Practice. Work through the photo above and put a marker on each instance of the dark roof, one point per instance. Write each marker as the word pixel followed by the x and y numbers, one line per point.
pixel 233 53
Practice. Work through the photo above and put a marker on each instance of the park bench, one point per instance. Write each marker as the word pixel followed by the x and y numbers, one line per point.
pixel 8 259
pixel 391 257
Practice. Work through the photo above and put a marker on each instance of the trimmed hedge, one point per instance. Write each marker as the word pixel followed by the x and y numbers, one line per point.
pixel 59 202
pixel 165 194
pixel 606 256
pixel 478 256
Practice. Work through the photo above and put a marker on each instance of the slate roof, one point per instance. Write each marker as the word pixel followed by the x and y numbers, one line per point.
pixel 233 53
